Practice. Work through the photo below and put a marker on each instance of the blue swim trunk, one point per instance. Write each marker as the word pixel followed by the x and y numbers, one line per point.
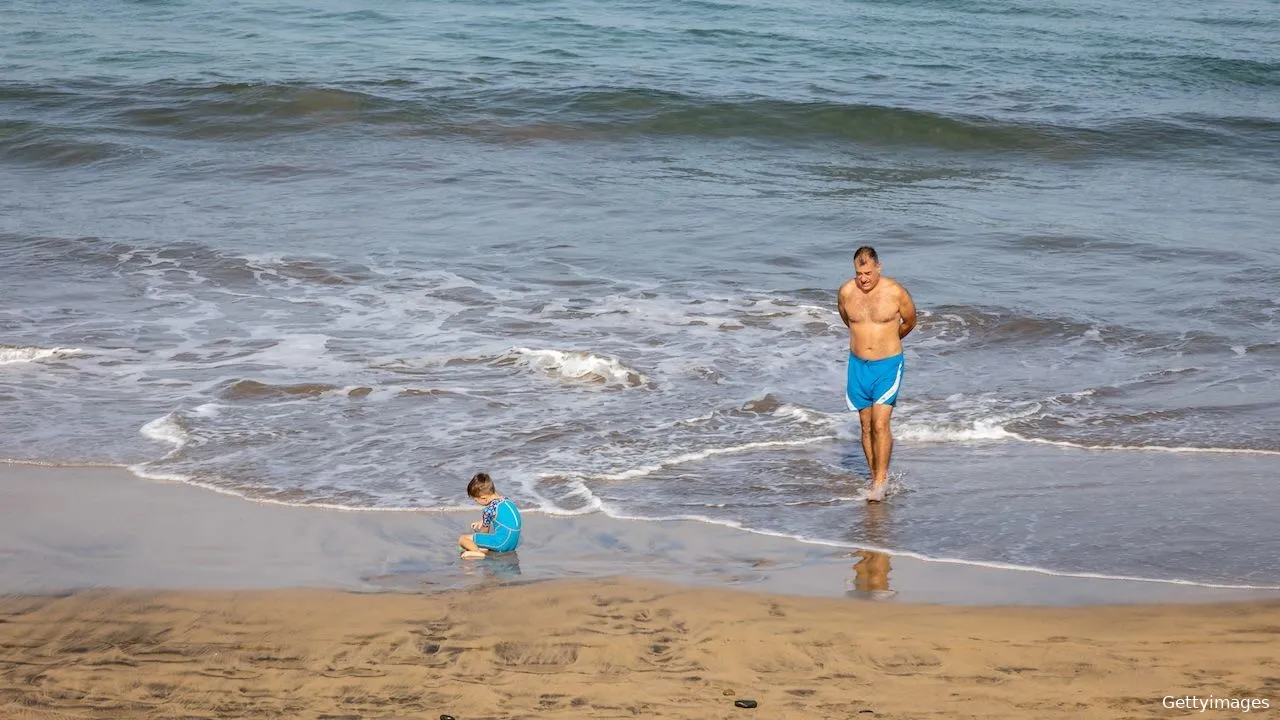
pixel 873 382
pixel 504 528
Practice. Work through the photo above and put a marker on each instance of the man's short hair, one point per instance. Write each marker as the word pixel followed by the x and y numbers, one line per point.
pixel 480 486
pixel 867 252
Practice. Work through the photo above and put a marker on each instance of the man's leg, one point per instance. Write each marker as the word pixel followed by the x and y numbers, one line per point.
pixel 881 444
pixel 868 449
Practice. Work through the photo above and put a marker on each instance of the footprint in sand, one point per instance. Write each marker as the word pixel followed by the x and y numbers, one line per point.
pixel 229 673
pixel 536 657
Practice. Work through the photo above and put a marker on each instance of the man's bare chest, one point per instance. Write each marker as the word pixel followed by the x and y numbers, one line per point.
pixel 878 308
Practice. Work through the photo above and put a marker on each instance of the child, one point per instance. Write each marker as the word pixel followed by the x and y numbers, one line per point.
pixel 499 526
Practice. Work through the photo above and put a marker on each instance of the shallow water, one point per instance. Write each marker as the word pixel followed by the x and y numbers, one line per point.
pixel 349 256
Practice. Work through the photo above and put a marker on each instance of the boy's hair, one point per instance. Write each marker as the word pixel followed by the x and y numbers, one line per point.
pixel 480 486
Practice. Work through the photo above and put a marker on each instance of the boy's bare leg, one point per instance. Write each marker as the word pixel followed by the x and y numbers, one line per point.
pixel 469 547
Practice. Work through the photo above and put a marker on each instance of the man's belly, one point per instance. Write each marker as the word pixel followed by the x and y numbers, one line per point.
pixel 877 347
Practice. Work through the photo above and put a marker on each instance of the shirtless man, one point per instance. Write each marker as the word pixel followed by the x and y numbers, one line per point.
pixel 879 313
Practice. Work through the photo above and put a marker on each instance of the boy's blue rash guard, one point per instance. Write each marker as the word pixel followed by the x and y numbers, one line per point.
pixel 503 518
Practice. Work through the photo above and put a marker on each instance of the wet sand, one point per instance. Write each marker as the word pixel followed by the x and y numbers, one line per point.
pixel 72 528
pixel 125 598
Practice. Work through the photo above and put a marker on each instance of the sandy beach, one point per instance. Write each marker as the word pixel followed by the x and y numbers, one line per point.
pixel 125 598
pixel 614 648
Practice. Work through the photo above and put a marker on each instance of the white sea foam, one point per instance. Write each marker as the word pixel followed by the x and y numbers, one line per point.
pixel 829 501
pixel 978 431
pixel 167 429
pixel 300 350
pixel 713 315
pixel 699 420
pixel 10 355
pixel 992 426
pixel 576 365
pixel 708 453
pixel 576 489
pixel 815 311
pixel 1190 450
pixel 945 330
pixel 145 472
pixel 805 415
pixel 990 430
pixel 207 410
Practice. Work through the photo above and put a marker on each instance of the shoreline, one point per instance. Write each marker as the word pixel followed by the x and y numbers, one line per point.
pixel 122 597
pixel 72 528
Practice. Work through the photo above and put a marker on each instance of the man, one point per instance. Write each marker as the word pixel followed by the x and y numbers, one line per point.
pixel 879 313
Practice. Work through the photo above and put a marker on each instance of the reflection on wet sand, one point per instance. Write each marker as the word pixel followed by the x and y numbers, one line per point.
pixel 496 567
pixel 871 576
pixel 871 570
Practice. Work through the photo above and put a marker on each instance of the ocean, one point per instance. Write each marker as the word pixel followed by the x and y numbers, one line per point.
pixel 349 254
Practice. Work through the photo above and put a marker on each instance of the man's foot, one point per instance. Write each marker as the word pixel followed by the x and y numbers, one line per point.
pixel 875 493
pixel 472 555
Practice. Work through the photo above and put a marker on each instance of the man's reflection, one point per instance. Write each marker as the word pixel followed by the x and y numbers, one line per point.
pixel 875 530
pixel 871 575
pixel 871 569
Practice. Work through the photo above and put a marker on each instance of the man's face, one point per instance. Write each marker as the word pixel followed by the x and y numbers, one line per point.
pixel 868 274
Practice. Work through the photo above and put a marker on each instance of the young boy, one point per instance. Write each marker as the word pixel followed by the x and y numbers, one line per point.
pixel 499 526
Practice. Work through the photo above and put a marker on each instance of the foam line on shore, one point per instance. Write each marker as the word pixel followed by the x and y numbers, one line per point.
pixel 142 472
pixel 1188 450
pixel 986 431
pixel 987 564
pixel 708 453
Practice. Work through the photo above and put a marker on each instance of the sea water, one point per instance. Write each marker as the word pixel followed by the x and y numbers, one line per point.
pixel 348 254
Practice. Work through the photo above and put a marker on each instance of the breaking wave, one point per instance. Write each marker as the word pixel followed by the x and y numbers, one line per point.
pixel 574 365
pixel 14 354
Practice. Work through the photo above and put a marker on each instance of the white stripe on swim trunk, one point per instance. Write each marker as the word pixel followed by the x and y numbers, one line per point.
pixel 897 380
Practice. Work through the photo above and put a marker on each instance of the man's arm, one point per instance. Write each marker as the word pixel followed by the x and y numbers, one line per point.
pixel 907 309
pixel 840 304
